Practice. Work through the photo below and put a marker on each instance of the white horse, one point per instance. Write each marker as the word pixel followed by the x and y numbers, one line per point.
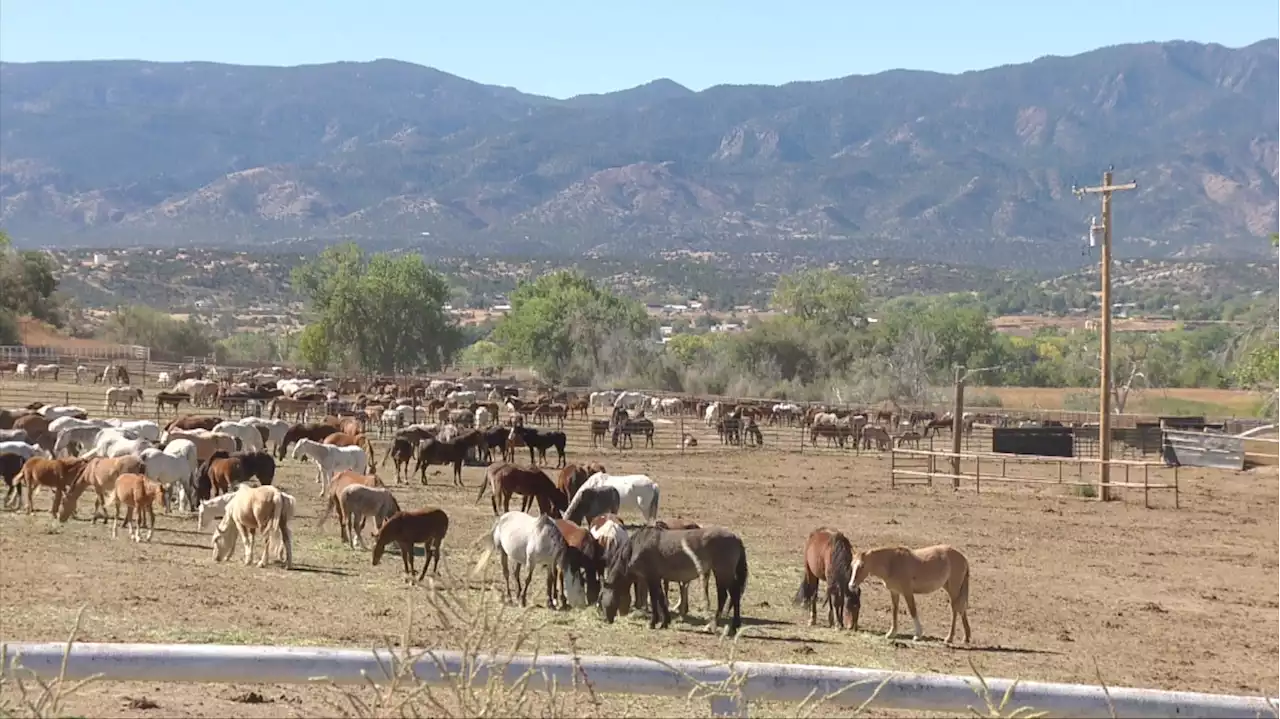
pixel 216 507
pixel 83 373
pixel 330 459
pixel 634 490
pixel 163 379
pixel 177 465
pixel 26 451
pixel 22 370
pixel 84 436
pixel 41 371
pixel 112 442
pixel 63 424
pixel 249 436
pixel 144 428
pixel 276 428
pixel 533 542
pixel 52 412
pixel 126 396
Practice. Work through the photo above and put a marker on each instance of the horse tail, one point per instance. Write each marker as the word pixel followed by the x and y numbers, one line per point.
pixel 387 456
pixel 739 584
pixel 276 526
pixel 329 506
pixel 807 592
pixel 484 483
pixel 962 596
pixel 490 544
pixel 651 512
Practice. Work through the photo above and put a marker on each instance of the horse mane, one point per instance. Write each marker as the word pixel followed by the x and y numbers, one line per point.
pixel 841 562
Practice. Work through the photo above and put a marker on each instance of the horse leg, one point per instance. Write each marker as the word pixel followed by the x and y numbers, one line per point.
pixel 250 541
pixel 658 602
pixel 405 554
pixel 435 552
pixel 915 616
pixel 722 593
pixel 506 577
pixel 893 624
pixel 426 558
pixel 528 580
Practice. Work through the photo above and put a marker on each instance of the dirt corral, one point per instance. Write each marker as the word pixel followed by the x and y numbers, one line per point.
pixel 1175 599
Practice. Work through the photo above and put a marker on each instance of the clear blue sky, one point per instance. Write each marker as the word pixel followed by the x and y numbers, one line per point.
pixel 567 47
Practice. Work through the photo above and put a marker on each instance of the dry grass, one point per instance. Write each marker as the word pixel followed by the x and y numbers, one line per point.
pixel 1224 402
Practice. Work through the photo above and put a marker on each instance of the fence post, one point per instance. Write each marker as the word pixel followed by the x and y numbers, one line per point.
pixel 956 423
pixel 682 430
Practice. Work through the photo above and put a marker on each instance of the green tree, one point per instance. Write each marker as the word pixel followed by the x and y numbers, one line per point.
pixel 484 354
pixel 314 347
pixel 28 284
pixel 562 325
pixel 387 310
pixel 690 349
pixel 821 295
pixel 1259 368
pixel 141 325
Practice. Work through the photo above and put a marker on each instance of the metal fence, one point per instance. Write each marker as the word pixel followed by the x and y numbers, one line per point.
pixel 741 682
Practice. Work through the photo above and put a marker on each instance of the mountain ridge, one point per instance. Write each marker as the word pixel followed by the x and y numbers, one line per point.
pixel 972 167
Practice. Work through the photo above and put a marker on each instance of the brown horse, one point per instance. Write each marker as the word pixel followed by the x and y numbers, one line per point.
pixel 504 480
pixel 60 475
pixel 580 538
pixel 828 557
pixel 191 421
pixel 572 476
pixel 426 526
pixel 908 572
pixel 313 432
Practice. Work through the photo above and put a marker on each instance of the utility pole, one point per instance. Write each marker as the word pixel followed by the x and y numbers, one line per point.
pixel 1104 406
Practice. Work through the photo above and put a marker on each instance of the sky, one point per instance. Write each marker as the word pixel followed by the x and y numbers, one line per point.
pixel 562 48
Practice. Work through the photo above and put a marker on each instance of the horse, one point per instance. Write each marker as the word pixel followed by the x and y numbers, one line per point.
pixel 136 493
pixel 634 490
pixel 651 555
pixel 313 432
pixel 536 542
pixel 592 502
pixel 572 476
pixel 400 450
pixel 581 539
pixel 341 481
pixel 427 526
pixel 123 396
pixel 358 502
pixel 436 451
pixel 828 557
pixel 330 459
pixel 908 572
pixel 253 511
pixel 504 480
pixel 538 440
pixel 172 399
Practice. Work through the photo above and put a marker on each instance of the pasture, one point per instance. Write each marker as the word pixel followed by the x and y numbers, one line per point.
pixel 1159 598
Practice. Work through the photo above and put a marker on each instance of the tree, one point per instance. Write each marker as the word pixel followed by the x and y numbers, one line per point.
pixel 560 324
pixel 140 325
pixel 314 347
pixel 28 284
pixel 387 310
pixel 484 354
pixel 823 296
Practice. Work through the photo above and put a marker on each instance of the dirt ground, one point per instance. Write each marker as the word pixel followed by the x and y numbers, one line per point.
pixel 1164 598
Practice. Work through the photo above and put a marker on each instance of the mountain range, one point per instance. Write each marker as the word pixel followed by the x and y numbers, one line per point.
pixel 972 168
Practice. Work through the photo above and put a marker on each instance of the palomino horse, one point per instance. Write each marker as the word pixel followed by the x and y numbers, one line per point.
pixel 828 557
pixel 426 526
pixel 536 542
pixel 504 480
pixel 908 572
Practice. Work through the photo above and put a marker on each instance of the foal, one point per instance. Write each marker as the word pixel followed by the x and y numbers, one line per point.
pixel 426 526
pixel 908 572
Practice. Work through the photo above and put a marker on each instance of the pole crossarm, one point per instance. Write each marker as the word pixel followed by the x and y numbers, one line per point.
pixel 1100 189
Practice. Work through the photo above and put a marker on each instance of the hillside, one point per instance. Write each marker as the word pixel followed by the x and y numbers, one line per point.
pixel 968 169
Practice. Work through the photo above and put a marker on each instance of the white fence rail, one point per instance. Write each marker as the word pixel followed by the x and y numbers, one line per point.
pixel 209 663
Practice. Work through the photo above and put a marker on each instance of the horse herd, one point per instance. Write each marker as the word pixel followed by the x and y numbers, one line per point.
pixel 224 471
